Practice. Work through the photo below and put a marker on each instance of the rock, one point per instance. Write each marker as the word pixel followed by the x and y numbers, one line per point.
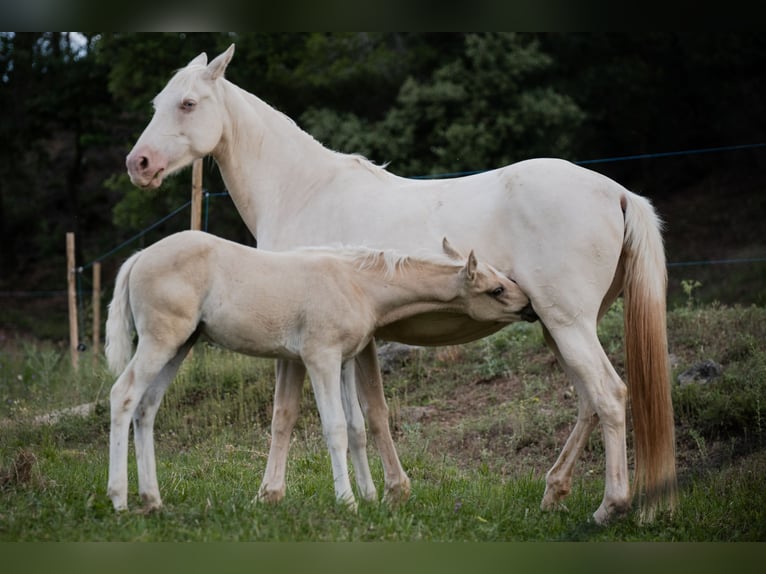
pixel 415 414
pixel 394 356
pixel 700 373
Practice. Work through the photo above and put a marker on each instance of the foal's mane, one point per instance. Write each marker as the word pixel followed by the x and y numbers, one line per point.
pixel 386 261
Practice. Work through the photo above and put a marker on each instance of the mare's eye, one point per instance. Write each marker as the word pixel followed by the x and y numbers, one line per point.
pixel 497 291
pixel 188 105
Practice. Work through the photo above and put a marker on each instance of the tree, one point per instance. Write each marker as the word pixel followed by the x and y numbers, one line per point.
pixel 483 109
pixel 56 110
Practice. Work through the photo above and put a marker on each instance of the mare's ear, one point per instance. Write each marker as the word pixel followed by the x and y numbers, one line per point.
pixel 200 60
pixel 451 252
pixel 469 271
pixel 216 68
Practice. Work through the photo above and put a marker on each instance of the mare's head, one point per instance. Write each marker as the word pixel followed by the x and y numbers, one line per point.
pixel 487 294
pixel 187 122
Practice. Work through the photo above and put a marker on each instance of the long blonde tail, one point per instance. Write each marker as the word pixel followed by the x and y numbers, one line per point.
pixel 119 322
pixel 647 363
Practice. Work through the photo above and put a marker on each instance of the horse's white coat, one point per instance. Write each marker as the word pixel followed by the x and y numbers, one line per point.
pixel 572 239
pixel 320 307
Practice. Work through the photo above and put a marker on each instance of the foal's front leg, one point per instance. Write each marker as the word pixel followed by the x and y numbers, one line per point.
pixel 357 434
pixel 325 370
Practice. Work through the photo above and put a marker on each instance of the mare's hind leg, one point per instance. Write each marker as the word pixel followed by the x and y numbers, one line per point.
pixel 143 430
pixel 558 480
pixel 287 401
pixel 603 391
pixel 124 397
pixel 357 434
pixel 370 390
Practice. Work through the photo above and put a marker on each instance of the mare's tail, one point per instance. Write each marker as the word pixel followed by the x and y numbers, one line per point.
pixel 119 321
pixel 647 363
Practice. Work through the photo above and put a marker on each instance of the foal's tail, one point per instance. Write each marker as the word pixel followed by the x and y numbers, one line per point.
pixel 647 364
pixel 119 322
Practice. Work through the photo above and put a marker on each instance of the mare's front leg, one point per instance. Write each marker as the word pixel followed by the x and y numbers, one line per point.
pixel 357 435
pixel 324 369
pixel 369 384
pixel 287 401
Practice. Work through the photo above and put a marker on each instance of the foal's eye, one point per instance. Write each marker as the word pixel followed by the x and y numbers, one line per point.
pixel 188 105
pixel 497 291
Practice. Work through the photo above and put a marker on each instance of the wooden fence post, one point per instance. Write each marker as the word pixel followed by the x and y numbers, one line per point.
pixel 72 297
pixel 96 311
pixel 196 205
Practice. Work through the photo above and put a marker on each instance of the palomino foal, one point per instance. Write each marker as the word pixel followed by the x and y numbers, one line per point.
pixel 319 306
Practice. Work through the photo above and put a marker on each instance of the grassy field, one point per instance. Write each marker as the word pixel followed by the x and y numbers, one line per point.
pixel 476 427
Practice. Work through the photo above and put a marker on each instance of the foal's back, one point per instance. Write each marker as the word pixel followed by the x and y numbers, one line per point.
pixel 248 300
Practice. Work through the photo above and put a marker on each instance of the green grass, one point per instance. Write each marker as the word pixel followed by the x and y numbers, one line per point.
pixel 497 413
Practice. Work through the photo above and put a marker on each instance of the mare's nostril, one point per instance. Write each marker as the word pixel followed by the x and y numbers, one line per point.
pixel 143 162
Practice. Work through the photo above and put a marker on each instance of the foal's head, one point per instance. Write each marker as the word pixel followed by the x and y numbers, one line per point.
pixel 487 294
pixel 187 122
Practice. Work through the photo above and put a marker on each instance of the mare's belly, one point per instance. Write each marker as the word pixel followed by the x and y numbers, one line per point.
pixel 434 329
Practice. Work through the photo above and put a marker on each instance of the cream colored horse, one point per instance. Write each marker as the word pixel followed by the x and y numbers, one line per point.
pixel 320 307
pixel 572 239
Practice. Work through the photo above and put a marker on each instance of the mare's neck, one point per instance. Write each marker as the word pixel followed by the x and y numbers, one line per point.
pixel 265 159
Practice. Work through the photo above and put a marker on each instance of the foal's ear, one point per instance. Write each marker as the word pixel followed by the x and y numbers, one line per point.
pixel 469 270
pixel 451 252
pixel 216 68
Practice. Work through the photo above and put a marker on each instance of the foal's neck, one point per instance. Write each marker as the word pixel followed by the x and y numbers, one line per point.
pixel 415 287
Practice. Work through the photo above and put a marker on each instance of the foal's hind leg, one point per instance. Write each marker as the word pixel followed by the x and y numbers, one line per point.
pixel 370 390
pixel 143 430
pixel 357 434
pixel 124 397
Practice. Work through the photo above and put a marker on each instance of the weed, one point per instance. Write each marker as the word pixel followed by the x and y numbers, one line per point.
pixel 689 286
pixel 699 440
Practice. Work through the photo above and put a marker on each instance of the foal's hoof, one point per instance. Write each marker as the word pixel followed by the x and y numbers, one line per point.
pixel 148 509
pixel 553 497
pixel 150 503
pixel 553 506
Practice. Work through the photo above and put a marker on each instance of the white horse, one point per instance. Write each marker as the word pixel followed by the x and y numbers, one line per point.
pixel 572 239
pixel 319 306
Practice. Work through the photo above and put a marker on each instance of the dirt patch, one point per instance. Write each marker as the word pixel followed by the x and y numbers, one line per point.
pixel 497 423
